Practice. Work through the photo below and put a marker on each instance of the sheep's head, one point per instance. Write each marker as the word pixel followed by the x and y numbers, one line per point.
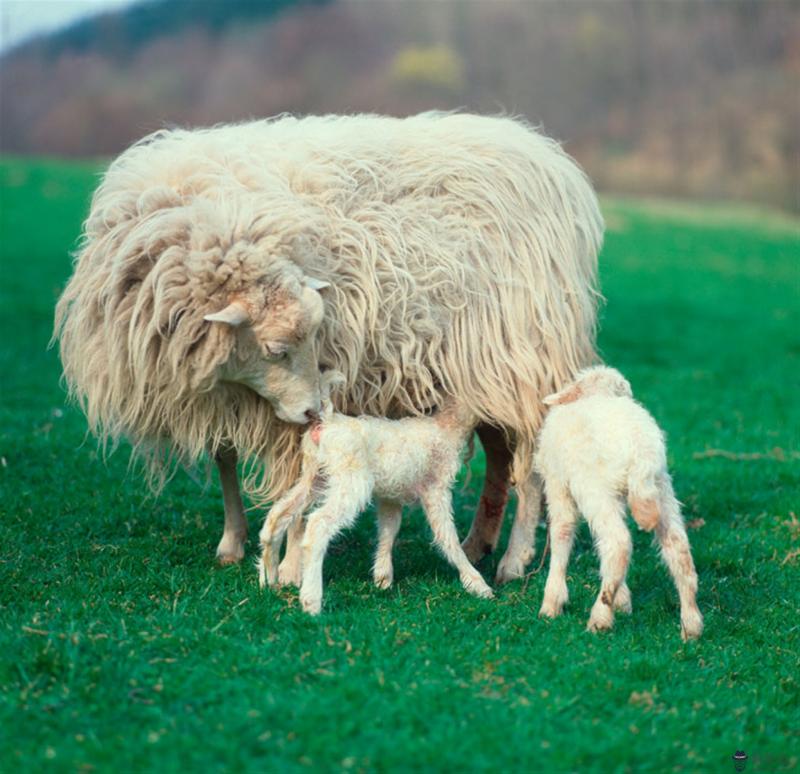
pixel 274 354
pixel 598 380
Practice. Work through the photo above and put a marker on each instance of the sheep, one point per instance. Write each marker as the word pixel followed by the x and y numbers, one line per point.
pixel 460 257
pixel 347 461
pixel 597 446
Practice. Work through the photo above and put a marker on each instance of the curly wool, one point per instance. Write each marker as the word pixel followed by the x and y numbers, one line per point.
pixel 461 251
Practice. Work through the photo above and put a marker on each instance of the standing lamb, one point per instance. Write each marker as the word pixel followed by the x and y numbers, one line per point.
pixel 460 253
pixel 597 447
pixel 347 461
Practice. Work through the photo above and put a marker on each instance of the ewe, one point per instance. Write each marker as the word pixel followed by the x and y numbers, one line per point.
pixel 461 254
pixel 347 461
pixel 597 445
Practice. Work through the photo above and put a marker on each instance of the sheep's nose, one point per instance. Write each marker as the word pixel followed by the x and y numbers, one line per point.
pixel 312 416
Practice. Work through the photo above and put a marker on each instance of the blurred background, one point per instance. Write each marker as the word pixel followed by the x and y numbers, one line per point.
pixel 692 99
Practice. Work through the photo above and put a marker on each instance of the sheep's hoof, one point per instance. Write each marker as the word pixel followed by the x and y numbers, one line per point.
pixel 550 609
pixel 600 621
pixel 476 548
pixel 383 581
pixel 510 570
pixel 230 549
pixel 478 587
pixel 311 605
pixel 622 600
pixel 289 574
pixel 691 625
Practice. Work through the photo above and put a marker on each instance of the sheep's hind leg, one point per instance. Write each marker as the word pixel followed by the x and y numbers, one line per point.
pixel 389 517
pixel 677 554
pixel 234 535
pixel 522 543
pixel 623 602
pixel 606 519
pixel 563 518
pixel 485 530
pixel 439 510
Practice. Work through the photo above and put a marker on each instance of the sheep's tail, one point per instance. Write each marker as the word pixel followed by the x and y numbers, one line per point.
pixel 643 496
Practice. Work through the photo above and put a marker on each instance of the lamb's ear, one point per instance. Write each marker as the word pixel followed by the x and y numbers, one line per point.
pixel 234 314
pixel 569 394
pixel 316 284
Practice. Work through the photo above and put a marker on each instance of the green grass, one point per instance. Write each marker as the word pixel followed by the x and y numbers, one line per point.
pixel 123 647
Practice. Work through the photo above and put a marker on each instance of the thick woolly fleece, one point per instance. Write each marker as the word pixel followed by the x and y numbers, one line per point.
pixel 461 252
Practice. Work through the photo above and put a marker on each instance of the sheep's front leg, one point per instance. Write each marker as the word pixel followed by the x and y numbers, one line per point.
pixel 439 510
pixel 563 518
pixel 345 500
pixel 389 517
pixel 290 570
pixel 522 543
pixel 485 530
pixel 234 535
pixel 286 511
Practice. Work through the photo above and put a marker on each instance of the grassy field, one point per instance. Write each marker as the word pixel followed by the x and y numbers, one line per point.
pixel 122 645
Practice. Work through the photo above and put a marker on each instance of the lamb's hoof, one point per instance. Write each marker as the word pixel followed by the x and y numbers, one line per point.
pixel 478 587
pixel 550 609
pixel 476 548
pixel 289 575
pixel 622 600
pixel 691 625
pixel 600 621
pixel 311 605
pixel 511 569
pixel 383 581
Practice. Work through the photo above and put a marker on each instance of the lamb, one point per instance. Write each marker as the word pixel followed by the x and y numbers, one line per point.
pixel 597 446
pixel 460 258
pixel 347 461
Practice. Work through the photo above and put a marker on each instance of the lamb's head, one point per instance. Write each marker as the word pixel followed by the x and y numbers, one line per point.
pixel 274 321
pixel 598 380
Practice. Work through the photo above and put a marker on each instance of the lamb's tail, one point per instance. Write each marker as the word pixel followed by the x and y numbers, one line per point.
pixel 643 496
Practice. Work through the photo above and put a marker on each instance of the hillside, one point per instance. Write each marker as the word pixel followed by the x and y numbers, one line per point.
pixel 694 98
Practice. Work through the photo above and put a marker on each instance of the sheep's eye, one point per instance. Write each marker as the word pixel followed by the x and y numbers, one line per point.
pixel 278 352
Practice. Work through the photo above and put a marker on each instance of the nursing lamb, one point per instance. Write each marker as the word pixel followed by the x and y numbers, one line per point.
pixel 347 461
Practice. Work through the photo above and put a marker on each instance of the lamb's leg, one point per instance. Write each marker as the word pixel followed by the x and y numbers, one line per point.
pixel 485 530
pixel 606 518
pixel 563 518
pixel 437 503
pixel 283 513
pixel 389 516
pixel 675 549
pixel 346 499
pixel 623 603
pixel 290 570
pixel 522 543
pixel 234 535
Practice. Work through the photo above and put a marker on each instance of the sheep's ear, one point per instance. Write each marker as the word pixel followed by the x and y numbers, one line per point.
pixel 316 284
pixel 234 314
pixel 569 394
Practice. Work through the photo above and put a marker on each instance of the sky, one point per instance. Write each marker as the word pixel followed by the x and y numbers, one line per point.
pixel 23 19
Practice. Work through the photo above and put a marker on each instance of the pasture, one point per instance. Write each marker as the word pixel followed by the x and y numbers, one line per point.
pixel 123 646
